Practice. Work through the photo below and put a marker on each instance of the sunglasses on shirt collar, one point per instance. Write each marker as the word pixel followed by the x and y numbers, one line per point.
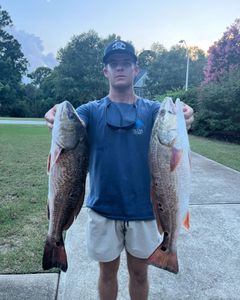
pixel 119 122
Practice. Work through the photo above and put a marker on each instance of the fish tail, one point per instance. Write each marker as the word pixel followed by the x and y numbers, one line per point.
pixel 54 255
pixel 164 259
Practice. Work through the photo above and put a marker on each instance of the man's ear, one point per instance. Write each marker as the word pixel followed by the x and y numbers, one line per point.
pixel 105 71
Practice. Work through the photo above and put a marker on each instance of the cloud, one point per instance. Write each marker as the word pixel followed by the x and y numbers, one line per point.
pixel 33 49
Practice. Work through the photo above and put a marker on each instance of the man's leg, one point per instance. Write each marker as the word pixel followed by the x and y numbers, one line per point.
pixel 138 277
pixel 107 284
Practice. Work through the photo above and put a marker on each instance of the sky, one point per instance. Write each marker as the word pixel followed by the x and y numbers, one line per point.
pixel 143 22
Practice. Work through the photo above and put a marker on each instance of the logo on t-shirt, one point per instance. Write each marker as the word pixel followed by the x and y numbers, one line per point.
pixel 138 127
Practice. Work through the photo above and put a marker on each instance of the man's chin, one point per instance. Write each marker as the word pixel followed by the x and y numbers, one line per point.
pixel 122 86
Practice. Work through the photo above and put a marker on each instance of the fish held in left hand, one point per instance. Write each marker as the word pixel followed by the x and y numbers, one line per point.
pixel 67 169
pixel 170 165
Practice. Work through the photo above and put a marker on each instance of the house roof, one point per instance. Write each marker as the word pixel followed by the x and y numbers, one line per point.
pixel 140 78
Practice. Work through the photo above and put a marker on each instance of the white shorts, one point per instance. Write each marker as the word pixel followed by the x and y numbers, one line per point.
pixel 106 238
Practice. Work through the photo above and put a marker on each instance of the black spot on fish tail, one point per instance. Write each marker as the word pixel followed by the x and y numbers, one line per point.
pixel 164 259
pixel 163 248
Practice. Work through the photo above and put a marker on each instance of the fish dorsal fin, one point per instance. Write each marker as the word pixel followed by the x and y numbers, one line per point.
pixel 53 157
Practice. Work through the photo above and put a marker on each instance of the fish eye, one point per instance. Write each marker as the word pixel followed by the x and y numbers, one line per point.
pixel 70 114
pixel 163 112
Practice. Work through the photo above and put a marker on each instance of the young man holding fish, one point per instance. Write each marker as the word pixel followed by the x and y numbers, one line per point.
pixel 120 210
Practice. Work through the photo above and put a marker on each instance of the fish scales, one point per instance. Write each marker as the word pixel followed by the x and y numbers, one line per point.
pixel 67 168
pixel 170 181
pixel 68 175
pixel 164 188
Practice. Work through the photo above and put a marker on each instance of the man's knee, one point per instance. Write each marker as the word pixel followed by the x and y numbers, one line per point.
pixel 138 269
pixel 109 270
pixel 139 276
pixel 108 276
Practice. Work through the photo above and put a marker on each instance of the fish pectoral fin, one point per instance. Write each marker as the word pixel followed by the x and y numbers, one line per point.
pixel 175 158
pixel 164 259
pixel 56 154
pixel 186 221
pixel 53 160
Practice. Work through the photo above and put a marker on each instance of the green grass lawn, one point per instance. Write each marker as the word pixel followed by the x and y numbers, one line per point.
pixel 227 154
pixel 23 197
pixel 27 119
pixel 23 191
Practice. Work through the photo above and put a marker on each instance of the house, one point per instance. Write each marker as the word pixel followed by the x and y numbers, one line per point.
pixel 139 83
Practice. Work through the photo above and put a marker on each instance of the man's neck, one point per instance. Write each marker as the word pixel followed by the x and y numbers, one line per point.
pixel 122 96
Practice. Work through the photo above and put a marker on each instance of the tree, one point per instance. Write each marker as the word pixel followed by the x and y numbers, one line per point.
pixel 168 70
pixel 79 72
pixel 110 38
pixel 219 108
pixel 158 48
pixel 224 55
pixel 198 61
pixel 39 75
pixel 146 58
pixel 12 66
pixel 33 92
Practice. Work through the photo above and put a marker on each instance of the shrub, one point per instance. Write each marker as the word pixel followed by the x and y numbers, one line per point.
pixel 189 97
pixel 218 113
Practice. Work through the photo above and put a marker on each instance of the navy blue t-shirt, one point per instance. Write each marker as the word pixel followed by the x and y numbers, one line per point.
pixel 119 167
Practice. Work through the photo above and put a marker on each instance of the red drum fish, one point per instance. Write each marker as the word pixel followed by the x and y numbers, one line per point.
pixel 170 166
pixel 67 169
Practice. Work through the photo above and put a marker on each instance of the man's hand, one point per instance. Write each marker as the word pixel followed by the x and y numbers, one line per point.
pixel 188 115
pixel 50 115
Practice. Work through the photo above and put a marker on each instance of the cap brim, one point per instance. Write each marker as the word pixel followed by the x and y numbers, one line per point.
pixel 110 53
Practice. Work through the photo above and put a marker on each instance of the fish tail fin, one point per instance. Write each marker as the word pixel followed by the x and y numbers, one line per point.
pixel 54 255
pixel 164 259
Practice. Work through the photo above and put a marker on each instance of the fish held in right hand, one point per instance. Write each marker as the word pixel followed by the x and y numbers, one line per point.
pixel 67 169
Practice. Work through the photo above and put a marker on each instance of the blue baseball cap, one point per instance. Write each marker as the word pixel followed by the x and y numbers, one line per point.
pixel 119 46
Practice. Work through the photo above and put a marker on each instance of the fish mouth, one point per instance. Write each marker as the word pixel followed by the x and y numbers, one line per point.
pixel 168 107
pixel 67 109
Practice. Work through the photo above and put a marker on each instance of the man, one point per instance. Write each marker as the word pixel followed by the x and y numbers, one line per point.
pixel 120 212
